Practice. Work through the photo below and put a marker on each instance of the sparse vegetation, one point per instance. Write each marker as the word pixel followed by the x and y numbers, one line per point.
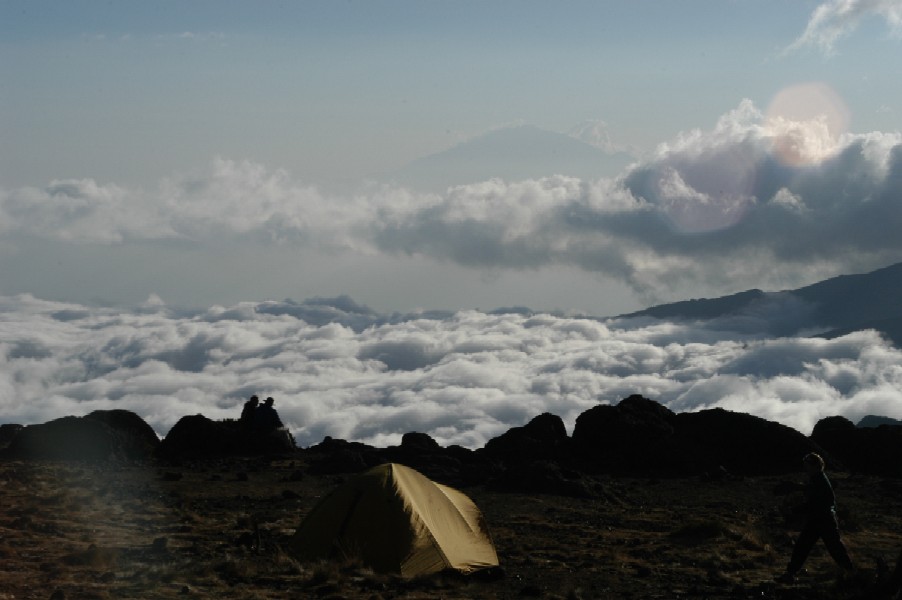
pixel 128 531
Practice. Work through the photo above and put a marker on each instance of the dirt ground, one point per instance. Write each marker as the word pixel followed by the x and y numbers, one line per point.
pixel 218 529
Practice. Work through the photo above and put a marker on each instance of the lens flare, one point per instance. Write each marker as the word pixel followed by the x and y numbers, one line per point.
pixel 806 121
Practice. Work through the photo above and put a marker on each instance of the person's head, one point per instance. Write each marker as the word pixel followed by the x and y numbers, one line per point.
pixel 269 401
pixel 813 462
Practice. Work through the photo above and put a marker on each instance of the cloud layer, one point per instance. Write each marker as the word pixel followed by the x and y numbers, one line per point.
pixel 339 369
pixel 757 199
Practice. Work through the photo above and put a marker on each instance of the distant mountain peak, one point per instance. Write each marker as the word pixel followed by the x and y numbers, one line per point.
pixel 511 153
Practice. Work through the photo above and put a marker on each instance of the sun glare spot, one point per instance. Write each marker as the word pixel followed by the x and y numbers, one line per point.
pixel 806 121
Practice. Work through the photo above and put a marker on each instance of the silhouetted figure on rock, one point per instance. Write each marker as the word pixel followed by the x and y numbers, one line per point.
pixel 820 521
pixel 248 413
pixel 266 419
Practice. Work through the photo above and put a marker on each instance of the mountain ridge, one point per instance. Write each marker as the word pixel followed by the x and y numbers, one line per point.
pixel 833 307
pixel 511 153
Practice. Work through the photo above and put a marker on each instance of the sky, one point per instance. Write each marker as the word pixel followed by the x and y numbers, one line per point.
pixel 165 163
pixel 218 152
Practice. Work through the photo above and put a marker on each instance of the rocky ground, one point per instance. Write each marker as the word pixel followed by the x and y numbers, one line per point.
pixel 218 529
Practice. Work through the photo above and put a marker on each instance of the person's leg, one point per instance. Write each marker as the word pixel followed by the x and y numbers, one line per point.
pixel 833 541
pixel 807 538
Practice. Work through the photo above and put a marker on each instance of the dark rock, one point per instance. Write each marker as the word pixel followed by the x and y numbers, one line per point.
pixel 829 424
pixel 743 444
pixel 196 436
pixel 544 437
pixel 634 435
pixel 100 436
pixel 865 450
pixel 419 451
pixel 334 456
pixel 139 440
pixel 419 442
pixel 7 432
pixel 542 477
pixel 635 421
pixel 640 436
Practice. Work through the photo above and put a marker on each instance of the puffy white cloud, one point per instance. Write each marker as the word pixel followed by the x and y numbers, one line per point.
pixel 463 378
pixel 757 201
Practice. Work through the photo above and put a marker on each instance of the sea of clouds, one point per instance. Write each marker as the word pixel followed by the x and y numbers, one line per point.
pixel 753 202
pixel 336 368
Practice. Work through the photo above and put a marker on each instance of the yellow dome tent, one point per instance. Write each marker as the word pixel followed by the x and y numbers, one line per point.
pixel 396 520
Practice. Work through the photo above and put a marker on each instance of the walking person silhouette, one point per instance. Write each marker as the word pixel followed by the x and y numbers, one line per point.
pixel 820 512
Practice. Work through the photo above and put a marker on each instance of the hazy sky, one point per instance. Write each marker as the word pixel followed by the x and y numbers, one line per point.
pixel 192 149
pixel 170 172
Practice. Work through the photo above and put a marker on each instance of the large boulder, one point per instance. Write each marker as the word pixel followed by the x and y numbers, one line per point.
pixel 196 436
pixel 138 439
pixel 421 452
pixel 7 432
pixel 335 456
pixel 635 435
pixel 543 438
pixel 741 443
pixel 640 436
pixel 99 436
pixel 869 450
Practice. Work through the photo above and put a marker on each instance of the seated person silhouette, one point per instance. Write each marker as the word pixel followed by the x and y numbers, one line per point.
pixel 266 419
pixel 247 413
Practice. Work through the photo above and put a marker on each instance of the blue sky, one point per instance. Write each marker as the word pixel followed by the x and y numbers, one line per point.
pixel 131 100
pixel 132 91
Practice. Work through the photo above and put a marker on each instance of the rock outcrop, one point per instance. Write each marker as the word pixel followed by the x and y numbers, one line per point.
pixel 635 435
pixel 741 443
pixel 196 436
pixel 866 450
pixel 7 432
pixel 543 438
pixel 99 436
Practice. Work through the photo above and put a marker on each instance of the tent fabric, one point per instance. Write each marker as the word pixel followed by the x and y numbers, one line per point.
pixel 396 520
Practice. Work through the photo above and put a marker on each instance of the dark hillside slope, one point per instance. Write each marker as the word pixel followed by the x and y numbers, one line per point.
pixel 848 301
pixel 836 306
